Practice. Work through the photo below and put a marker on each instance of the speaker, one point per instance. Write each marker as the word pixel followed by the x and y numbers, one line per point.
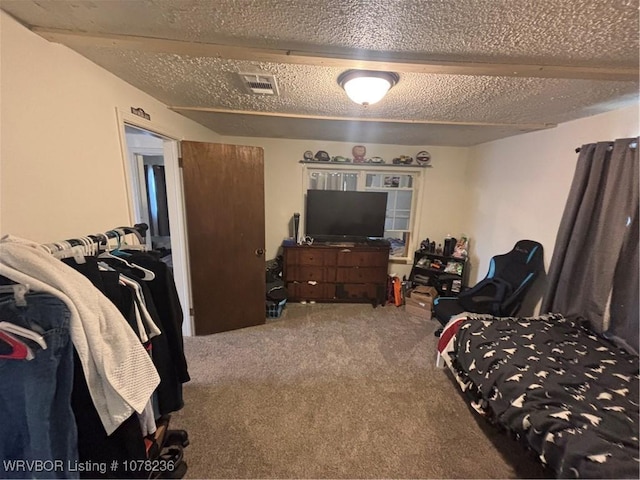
pixel 296 226
pixel 449 246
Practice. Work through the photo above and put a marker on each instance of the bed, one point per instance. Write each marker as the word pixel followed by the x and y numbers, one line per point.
pixel 567 393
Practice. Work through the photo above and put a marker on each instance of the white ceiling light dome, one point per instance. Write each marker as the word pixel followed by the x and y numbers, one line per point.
pixel 367 87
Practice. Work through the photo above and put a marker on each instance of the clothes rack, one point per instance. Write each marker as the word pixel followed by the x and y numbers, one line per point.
pixel 91 297
pixel 139 230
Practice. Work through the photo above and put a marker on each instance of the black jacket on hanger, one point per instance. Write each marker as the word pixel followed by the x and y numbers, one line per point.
pixel 167 302
pixel 169 392
pixel 94 445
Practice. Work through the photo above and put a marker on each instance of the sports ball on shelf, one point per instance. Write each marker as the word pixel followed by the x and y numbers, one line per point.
pixel 423 158
pixel 359 151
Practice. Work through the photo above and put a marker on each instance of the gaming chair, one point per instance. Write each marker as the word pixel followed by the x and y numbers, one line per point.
pixel 504 288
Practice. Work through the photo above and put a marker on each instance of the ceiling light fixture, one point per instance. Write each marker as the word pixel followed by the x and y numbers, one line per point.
pixel 367 87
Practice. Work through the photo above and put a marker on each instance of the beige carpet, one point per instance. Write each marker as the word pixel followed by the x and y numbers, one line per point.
pixel 335 391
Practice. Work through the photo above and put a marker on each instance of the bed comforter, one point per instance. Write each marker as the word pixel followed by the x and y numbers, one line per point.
pixel 567 393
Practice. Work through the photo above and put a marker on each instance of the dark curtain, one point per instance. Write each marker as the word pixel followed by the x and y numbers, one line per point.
pixel 594 270
pixel 157 200
pixel 624 326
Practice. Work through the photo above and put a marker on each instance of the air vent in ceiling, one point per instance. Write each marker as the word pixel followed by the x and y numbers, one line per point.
pixel 259 83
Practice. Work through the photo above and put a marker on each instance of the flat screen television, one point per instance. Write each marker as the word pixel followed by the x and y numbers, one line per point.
pixel 336 215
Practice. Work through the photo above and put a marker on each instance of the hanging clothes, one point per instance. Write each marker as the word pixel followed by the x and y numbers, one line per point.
pixel 120 375
pixel 126 370
pixel 37 422
pixel 127 442
pixel 165 296
pixel 163 306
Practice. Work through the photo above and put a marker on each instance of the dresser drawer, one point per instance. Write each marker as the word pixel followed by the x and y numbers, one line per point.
pixel 310 257
pixel 309 291
pixel 306 273
pixel 348 258
pixel 361 274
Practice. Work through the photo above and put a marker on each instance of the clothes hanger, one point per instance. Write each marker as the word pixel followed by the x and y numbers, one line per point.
pixel 61 246
pixel 148 274
pixel 18 290
pixel 8 327
pixel 140 245
pixel 85 244
pixel 135 232
pixel 75 251
pixel 19 350
pixel 51 247
pixel 121 235
pixel 126 246
pixel 105 267
pixel 89 246
pixel 121 241
pixel 152 329
pixel 95 245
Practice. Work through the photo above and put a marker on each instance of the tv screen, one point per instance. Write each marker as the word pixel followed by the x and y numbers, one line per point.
pixel 332 213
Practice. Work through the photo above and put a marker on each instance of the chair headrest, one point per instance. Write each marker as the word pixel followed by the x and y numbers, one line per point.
pixel 526 250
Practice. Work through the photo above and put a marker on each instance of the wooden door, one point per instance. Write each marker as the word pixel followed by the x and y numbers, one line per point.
pixel 224 203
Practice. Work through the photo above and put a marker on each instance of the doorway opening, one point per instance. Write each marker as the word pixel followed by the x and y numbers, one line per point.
pixel 146 154
pixel 155 191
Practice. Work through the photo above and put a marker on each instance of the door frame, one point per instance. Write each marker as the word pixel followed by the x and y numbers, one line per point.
pixel 175 204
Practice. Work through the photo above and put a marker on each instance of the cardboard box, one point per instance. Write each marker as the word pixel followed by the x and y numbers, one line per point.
pixel 419 301
pixel 425 292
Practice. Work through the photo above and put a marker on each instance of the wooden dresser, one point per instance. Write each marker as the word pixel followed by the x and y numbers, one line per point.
pixel 350 273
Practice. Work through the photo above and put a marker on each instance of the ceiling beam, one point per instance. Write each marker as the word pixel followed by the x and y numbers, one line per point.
pixel 519 126
pixel 374 61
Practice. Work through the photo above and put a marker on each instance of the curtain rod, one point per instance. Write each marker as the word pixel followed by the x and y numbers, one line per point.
pixel 632 145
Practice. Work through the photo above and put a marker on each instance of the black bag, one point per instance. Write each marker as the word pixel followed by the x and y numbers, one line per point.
pixel 276 291
pixel 274 269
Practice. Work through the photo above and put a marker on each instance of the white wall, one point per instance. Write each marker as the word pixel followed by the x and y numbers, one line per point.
pixel 444 196
pixel 519 185
pixel 61 163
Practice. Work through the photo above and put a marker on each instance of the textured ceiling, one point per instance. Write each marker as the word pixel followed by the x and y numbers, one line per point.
pixel 549 61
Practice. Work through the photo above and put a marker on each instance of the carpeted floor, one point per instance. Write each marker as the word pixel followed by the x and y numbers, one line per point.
pixel 335 391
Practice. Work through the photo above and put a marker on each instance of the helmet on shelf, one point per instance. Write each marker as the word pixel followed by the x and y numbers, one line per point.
pixel 322 156
pixel 375 160
pixel 403 160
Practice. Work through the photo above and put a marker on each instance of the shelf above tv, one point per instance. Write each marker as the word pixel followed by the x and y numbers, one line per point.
pixel 365 165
